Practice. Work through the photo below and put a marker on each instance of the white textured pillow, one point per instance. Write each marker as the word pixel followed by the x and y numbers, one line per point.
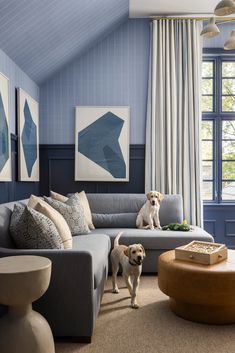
pixel 61 225
pixel 87 210
pixel 58 197
pixel 84 202
pixel 73 213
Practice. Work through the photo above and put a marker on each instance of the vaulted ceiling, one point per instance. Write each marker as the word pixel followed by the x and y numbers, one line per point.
pixel 43 35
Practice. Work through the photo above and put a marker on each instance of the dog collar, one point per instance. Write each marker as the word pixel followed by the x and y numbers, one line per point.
pixel 133 264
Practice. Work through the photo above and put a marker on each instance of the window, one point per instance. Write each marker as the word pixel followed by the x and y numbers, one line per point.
pixel 218 129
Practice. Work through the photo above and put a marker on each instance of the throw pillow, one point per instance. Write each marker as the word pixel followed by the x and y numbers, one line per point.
pixel 73 213
pixel 33 200
pixel 32 230
pixel 61 225
pixel 58 197
pixel 87 210
pixel 84 202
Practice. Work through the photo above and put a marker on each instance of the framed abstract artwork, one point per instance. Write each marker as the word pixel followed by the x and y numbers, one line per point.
pixel 5 141
pixel 28 137
pixel 102 143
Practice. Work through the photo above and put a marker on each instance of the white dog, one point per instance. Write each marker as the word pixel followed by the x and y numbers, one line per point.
pixel 131 259
pixel 148 216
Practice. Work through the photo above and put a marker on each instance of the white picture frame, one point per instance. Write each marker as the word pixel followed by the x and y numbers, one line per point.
pixel 5 137
pixel 28 137
pixel 102 143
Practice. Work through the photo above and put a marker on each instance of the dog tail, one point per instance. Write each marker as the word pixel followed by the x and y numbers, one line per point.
pixel 116 240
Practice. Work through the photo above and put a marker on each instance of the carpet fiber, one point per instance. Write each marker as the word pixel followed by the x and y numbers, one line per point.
pixel 152 328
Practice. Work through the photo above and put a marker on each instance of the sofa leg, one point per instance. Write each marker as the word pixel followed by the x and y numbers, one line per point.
pixel 82 339
pixel 73 339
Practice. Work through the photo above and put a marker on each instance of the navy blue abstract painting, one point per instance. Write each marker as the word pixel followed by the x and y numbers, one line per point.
pixel 99 142
pixel 4 136
pixel 29 139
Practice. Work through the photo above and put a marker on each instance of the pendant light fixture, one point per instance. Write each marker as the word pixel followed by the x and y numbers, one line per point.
pixel 225 8
pixel 211 30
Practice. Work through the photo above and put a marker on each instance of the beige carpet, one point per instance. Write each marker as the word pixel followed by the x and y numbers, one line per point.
pixel 152 328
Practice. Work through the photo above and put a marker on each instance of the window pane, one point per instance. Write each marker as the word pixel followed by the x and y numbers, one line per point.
pixel 228 104
pixel 207 103
pixel 228 150
pixel 228 190
pixel 207 86
pixel 207 130
pixel 228 129
pixel 207 150
pixel 228 86
pixel 207 69
pixel 228 69
pixel 207 190
pixel 228 170
pixel 207 170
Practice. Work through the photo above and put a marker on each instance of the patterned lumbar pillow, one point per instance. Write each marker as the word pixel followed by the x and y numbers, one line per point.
pixel 73 213
pixel 61 225
pixel 32 230
pixel 84 202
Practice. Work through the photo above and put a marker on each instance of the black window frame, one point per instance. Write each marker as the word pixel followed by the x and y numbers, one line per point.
pixel 217 116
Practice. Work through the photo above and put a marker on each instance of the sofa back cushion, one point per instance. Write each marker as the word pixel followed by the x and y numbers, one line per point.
pixel 171 210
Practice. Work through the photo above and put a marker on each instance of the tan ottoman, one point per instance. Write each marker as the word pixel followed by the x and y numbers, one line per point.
pixel 197 292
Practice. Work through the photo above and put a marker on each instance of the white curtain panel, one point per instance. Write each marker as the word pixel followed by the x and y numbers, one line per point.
pixel 173 155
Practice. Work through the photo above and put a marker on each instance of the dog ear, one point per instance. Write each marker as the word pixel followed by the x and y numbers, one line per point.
pixel 142 249
pixel 148 195
pixel 127 251
pixel 160 196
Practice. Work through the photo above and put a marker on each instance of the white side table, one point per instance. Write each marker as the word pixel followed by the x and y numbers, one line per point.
pixel 24 279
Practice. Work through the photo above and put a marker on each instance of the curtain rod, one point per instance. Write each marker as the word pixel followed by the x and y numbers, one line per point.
pixel 220 19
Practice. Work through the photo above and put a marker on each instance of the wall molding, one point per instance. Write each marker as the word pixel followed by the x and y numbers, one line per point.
pixel 57 172
pixel 227 223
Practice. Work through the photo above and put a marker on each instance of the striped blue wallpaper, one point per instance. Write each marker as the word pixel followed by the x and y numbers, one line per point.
pixel 114 72
pixel 17 78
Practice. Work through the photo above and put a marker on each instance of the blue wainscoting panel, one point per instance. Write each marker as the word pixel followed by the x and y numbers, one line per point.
pixel 219 220
pixel 229 228
pixel 57 172
pixel 210 225
pixel 113 73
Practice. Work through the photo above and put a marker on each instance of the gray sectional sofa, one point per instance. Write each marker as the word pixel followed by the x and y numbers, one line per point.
pixel 72 302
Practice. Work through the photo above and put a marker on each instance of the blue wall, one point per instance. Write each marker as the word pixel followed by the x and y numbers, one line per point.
pixel 114 72
pixel 17 78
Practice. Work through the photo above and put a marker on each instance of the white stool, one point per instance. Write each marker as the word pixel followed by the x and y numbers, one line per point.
pixel 24 279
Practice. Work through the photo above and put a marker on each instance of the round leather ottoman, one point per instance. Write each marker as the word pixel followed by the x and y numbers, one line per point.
pixel 198 292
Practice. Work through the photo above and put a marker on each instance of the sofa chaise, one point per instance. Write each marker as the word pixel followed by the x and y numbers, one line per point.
pixel 72 301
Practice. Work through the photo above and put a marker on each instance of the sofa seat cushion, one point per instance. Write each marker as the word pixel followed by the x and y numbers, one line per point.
pixel 155 239
pixel 99 246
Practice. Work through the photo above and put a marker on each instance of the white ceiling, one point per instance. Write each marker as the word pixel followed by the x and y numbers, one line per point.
pixel 147 8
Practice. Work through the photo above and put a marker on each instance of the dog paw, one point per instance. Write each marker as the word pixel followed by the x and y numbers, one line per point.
pixel 116 290
pixel 135 306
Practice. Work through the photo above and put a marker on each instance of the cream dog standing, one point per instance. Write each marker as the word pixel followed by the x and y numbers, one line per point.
pixel 148 216
pixel 131 259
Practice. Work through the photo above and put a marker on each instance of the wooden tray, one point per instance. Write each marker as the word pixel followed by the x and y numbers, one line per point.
pixel 202 252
